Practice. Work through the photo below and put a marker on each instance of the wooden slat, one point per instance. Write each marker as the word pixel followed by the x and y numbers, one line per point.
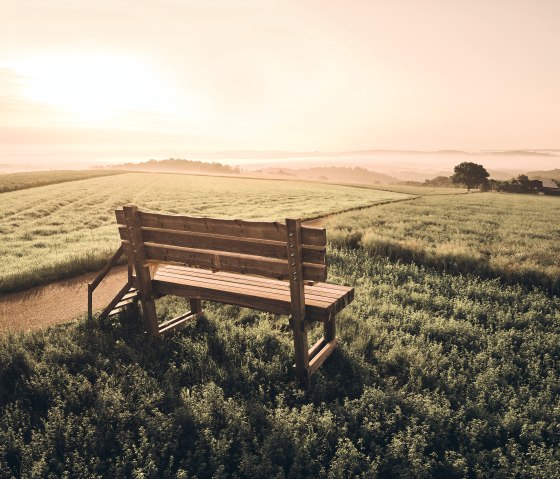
pixel 315 290
pixel 313 350
pixel 334 288
pixel 233 262
pixel 282 291
pixel 177 323
pixel 231 244
pixel 241 228
pixel 280 295
pixel 202 292
pixel 321 356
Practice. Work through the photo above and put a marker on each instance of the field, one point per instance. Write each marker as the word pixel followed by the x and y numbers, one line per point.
pixel 62 230
pixel 513 237
pixel 442 370
pixel 32 179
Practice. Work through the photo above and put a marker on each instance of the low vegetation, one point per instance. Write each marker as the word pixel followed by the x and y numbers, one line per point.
pixel 436 375
pixel 21 181
pixel 59 231
pixel 495 235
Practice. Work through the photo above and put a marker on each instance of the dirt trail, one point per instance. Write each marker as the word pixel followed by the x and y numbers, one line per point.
pixel 57 302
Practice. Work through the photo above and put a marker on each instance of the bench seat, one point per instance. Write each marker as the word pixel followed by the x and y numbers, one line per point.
pixel 322 300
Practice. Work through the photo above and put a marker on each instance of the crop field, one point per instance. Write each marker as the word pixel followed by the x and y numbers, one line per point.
pixel 513 237
pixel 32 179
pixel 422 190
pixel 62 230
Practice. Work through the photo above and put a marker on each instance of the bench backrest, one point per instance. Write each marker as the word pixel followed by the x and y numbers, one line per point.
pixel 248 247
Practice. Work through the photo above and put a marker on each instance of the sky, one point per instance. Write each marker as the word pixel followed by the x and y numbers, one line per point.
pixel 305 75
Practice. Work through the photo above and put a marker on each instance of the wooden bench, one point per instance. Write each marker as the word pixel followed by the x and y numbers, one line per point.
pixel 269 266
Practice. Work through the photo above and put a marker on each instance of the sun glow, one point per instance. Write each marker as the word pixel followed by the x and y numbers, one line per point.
pixel 93 87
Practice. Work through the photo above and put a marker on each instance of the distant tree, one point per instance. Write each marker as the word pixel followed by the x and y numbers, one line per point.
pixel 470 174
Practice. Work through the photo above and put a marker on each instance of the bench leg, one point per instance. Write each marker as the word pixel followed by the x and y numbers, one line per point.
pixel 329 328
pixel 150 316
pixel 196 305
pixel 301 352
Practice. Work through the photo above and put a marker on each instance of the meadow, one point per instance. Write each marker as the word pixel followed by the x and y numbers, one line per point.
pixel 512 237
pixel 441 371
pixel 32 179
pixel 59 231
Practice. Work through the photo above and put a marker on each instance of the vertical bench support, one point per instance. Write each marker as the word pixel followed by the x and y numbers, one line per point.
pixel 142 271
pixel 295 267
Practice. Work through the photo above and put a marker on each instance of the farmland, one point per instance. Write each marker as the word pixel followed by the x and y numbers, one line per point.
pixel 444 368
pixel 32 179
pixel 62 230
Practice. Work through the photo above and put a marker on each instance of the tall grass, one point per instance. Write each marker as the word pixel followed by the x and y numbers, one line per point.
pixel 59 231
pixel 511 237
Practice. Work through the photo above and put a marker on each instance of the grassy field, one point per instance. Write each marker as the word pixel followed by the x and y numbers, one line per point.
pixel 514 237
pixel 32 179
pixel 62 230
pixel 422 190
pixel 436 375
pixel 441 370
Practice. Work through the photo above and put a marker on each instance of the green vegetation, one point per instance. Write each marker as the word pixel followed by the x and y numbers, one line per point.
pixel 442 369
pixel 472 175
pixel 21 181
pixel 62 230
pixel 496 235
pixel 436 375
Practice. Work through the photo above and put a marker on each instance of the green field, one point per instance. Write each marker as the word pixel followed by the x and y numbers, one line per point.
pixel 513 237
pixel 32 179
pixel 62 230
pixel 443 369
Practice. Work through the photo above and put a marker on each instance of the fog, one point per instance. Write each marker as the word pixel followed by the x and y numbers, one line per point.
pixel 403 165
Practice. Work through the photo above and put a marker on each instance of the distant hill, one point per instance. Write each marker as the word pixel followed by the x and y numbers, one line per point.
pixel 177 165
pixel 343 174
pixel 539 175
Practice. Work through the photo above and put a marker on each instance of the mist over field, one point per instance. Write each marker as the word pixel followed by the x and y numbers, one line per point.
pixel 400 165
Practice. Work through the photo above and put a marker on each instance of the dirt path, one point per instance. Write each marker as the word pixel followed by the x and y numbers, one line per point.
pixel 64 301
pixel 57 302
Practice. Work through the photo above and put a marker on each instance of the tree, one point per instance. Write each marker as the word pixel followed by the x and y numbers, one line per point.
pixel 470 174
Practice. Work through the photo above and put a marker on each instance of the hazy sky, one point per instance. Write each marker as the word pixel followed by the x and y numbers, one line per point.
pixel 291 75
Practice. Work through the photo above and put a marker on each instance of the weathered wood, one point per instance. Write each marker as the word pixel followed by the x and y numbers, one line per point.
pixel 116 300
pixel 239 298
pixel 247 229
pixel 332 290
pixel 177 323
pixel 233 262
pixel 245 263
pixel 232 244
pixel 297 295
pixel 320 357
pixel 329 327
pixel 142 272
pixel 280 293
pixel 116 256
pixel 337 299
